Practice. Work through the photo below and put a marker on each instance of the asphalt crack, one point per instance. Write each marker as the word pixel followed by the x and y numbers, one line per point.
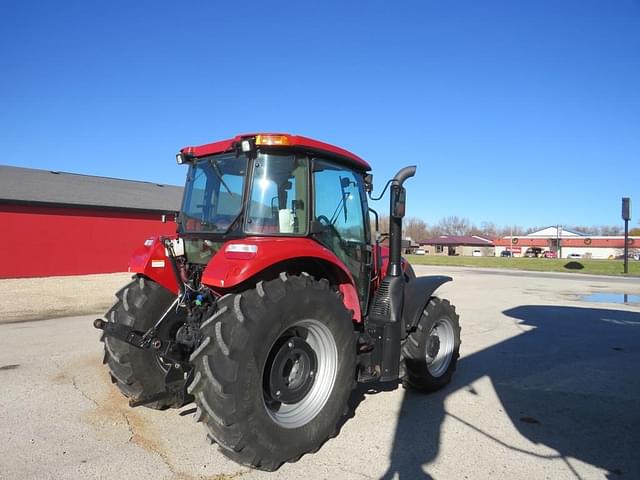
pixel 83 393
pixel 129 427
pixel 112 406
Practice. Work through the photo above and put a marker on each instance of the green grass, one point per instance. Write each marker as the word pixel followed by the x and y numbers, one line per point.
pixel 594 267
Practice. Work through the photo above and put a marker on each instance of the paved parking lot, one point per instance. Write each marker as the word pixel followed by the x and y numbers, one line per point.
pixel 26 299
pixel 547 387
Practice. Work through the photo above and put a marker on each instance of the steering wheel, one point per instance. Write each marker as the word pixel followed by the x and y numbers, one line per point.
pixel 327 223
pixel 324 220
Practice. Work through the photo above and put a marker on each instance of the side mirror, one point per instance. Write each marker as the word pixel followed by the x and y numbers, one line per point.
pixel 400 204
pixel 368 182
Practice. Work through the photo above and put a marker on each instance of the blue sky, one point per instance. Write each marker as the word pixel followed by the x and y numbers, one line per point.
pixel 515 112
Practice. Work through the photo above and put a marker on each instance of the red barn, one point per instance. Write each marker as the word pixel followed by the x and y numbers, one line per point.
pixel 56 223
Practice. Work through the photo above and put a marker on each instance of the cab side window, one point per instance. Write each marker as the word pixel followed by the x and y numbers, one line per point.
pixel 278 198
pixel 338 207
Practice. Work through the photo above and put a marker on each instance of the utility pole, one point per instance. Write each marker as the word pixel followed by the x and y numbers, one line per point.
pixel 626 216
pixel 511 242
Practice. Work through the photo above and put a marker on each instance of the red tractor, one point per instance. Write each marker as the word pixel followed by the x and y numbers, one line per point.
pixel 272 302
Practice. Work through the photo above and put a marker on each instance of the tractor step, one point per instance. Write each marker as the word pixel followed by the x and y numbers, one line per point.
pixel 368 373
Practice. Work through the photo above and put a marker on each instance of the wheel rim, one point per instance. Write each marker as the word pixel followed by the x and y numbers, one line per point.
pixel 440 346
pixel 298 379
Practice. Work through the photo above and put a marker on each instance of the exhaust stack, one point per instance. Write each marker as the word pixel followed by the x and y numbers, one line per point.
pixel 397 200
pixel 385 315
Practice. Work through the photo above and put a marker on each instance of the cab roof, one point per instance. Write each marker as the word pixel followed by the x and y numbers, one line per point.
pixel 280 140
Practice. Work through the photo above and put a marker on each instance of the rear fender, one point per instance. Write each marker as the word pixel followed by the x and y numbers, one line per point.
pixel 417 293
pixel 150 260
pixel 231 266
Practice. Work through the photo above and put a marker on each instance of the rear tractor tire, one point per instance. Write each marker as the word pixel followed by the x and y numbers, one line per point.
pixel 430 353
pixel 139 373
pixel 275 369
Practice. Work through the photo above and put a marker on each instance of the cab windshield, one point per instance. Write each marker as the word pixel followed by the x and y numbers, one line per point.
pixel 213 194
pixel 277 202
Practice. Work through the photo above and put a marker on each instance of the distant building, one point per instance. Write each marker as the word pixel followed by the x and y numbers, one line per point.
pixel 57 223
pixel 568 244
pixel 409 246
pixel 444 245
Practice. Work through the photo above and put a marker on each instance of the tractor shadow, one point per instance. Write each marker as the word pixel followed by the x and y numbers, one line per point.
pixel 569 383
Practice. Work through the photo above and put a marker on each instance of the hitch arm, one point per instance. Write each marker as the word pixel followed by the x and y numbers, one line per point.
pixel 144 341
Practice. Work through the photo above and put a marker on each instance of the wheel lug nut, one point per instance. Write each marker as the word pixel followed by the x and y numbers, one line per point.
pixel 290 344
pixel 278 393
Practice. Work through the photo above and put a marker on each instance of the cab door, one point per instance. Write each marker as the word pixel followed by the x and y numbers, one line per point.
pixel 340 210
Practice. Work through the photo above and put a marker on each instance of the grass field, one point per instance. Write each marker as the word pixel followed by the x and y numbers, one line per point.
pixel 594 267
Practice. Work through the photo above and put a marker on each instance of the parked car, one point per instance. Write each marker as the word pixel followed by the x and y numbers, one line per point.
pixel 533 252
pixel 420 251
pixel 630 256
pixel 505 253
pixel 574 255
pixel 550 254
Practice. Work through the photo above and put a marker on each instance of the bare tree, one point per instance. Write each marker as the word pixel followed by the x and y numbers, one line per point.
pixel 488 229
pixel 536 228
pixel 611 230
pixel 475 230
pixel 413 227
pixel 585 229
pixel 453 225
pixel 383 223
pixel 416 229
pixel 515 230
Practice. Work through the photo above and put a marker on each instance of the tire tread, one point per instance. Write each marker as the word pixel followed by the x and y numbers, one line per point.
pixel 416 374
pixel 218 391
pixel 132 300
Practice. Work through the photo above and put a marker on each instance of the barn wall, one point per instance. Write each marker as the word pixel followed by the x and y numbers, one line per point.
pixel 44 241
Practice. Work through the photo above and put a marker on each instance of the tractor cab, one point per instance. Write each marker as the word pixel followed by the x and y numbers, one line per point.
pixel 277 186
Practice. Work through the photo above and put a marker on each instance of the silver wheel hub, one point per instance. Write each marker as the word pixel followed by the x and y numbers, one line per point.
pixel 300 373
pixel 440 347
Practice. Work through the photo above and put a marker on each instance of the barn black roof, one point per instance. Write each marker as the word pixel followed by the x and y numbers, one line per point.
pixel 31 186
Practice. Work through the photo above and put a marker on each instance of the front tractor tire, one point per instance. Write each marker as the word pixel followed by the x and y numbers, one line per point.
pixel 274 371
pixel 139 373
pixel 430 353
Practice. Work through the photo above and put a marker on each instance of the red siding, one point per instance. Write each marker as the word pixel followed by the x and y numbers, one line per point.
pixel 44 241
pixel 570 242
